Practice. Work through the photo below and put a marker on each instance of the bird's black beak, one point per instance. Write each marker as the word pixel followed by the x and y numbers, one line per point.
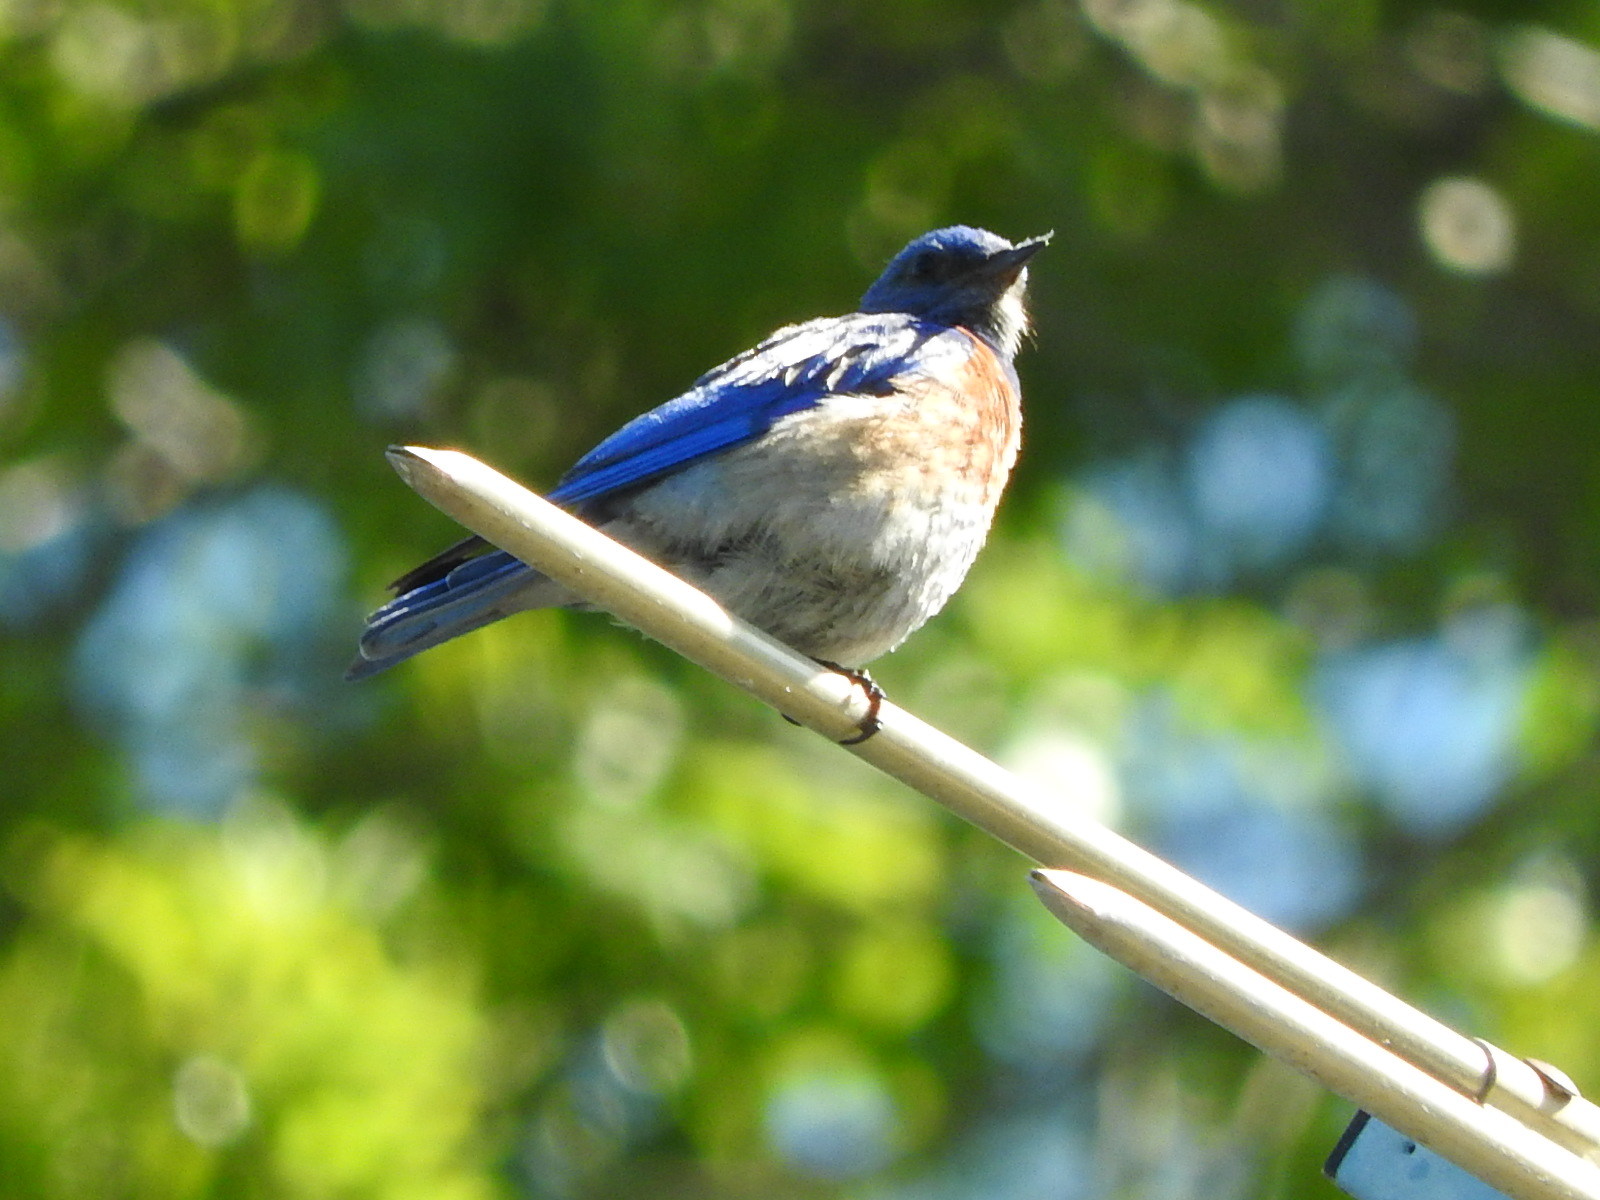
pixel 1007 264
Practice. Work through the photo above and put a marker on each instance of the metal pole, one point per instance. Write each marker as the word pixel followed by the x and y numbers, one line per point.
pixel 1491 1144
pixel 1034 823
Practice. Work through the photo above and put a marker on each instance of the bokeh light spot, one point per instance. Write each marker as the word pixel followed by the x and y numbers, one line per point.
pixel 1177 42
pixel 1261 478
pixel 402 368
pixel 1396 444
pixel 210 1102
pixel 894 975
pixel 1238 131
pixel 1352 328
pixel 202 434
pixel 646 1046
pixel 1429 728
pixel 1468 226
pixel 215 611
pixel 38 503
pixel 275 199
pixel 838 1123
pixel 1554 74
pixel 1539 922
pixel 628 743
pixel 1131 523
pixel 123 60
pixel 47 538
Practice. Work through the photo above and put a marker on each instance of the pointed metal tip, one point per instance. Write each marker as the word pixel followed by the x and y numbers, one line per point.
pixel 402 459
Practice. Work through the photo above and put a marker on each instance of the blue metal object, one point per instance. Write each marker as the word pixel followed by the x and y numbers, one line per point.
pixel 1374 1162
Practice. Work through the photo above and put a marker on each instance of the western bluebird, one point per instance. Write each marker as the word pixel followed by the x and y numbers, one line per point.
pixel 830 486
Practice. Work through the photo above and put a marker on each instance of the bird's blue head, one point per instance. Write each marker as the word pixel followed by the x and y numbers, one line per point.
pixel 961 276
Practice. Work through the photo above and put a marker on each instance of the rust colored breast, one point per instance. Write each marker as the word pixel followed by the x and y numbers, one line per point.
pixel 957 431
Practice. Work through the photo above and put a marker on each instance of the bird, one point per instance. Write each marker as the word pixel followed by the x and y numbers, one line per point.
pixel 831 485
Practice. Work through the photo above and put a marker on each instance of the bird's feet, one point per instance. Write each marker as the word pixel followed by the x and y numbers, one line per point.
pixel 869 724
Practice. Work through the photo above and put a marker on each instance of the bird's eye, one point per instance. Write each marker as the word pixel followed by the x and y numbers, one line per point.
pixel 924 268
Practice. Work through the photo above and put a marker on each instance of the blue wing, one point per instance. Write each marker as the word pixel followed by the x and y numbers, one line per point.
pixel 792 370
pixel 461 589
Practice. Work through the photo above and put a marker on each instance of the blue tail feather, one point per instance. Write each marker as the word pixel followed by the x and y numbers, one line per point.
pixel 478 592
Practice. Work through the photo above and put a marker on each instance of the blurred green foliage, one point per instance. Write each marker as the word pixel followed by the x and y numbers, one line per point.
pixel 1296 584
